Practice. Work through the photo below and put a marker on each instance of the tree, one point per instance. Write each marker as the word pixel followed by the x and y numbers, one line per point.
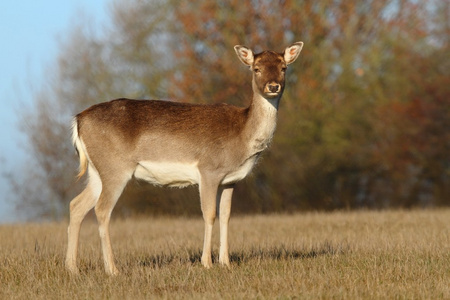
pixel 360 119
pixel 90 68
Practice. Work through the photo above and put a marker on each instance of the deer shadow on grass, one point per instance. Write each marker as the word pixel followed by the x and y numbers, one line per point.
pixel 284 252
pixel 190 256
pixel 281 252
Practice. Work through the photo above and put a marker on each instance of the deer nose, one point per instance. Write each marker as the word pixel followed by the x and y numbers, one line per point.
pixel 274 88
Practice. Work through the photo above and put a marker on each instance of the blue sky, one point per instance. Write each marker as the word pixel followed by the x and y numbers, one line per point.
pixel 29 33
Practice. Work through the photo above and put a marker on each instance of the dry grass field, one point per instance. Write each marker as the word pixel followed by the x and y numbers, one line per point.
pixel 341 255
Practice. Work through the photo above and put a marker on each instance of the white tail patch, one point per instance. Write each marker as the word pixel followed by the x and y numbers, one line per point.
pixel 95 183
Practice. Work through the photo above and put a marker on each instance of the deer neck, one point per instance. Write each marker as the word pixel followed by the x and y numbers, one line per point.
pixel 262 120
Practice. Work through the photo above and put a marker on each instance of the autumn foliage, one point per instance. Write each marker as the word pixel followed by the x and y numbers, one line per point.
pixel 364 120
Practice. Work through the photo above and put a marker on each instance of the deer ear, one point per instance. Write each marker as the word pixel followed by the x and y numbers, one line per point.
pixel 244 54
pixel 291 53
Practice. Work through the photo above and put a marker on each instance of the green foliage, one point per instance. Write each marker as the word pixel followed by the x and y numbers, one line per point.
pixel 363 122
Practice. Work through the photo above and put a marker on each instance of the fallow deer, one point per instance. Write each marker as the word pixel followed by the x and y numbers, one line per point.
pixel 175 144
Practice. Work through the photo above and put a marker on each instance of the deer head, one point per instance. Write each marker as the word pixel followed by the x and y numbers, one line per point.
pixel 268 68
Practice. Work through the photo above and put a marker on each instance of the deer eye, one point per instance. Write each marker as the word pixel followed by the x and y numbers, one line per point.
pixel 283 69
pixel 257 70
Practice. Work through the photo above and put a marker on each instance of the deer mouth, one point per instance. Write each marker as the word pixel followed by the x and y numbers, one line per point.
pixel 272 94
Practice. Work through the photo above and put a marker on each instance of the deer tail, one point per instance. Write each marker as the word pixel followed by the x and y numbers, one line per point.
pixel 79 147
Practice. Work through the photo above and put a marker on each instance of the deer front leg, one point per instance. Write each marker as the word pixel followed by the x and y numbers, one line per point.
pixel 225 194
pixel 208 192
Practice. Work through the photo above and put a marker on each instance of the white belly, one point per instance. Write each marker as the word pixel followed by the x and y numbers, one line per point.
pixel 185 174
pixel 168 173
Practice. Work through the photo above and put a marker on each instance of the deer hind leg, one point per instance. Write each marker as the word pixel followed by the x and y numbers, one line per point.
pixel 225 194
pixel 79 207
pixel 112 189
pixel 208 193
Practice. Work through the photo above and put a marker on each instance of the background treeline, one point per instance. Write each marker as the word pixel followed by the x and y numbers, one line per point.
pixel 364 121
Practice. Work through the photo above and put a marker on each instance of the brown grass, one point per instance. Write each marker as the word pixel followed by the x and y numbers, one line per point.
pixel 356 255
